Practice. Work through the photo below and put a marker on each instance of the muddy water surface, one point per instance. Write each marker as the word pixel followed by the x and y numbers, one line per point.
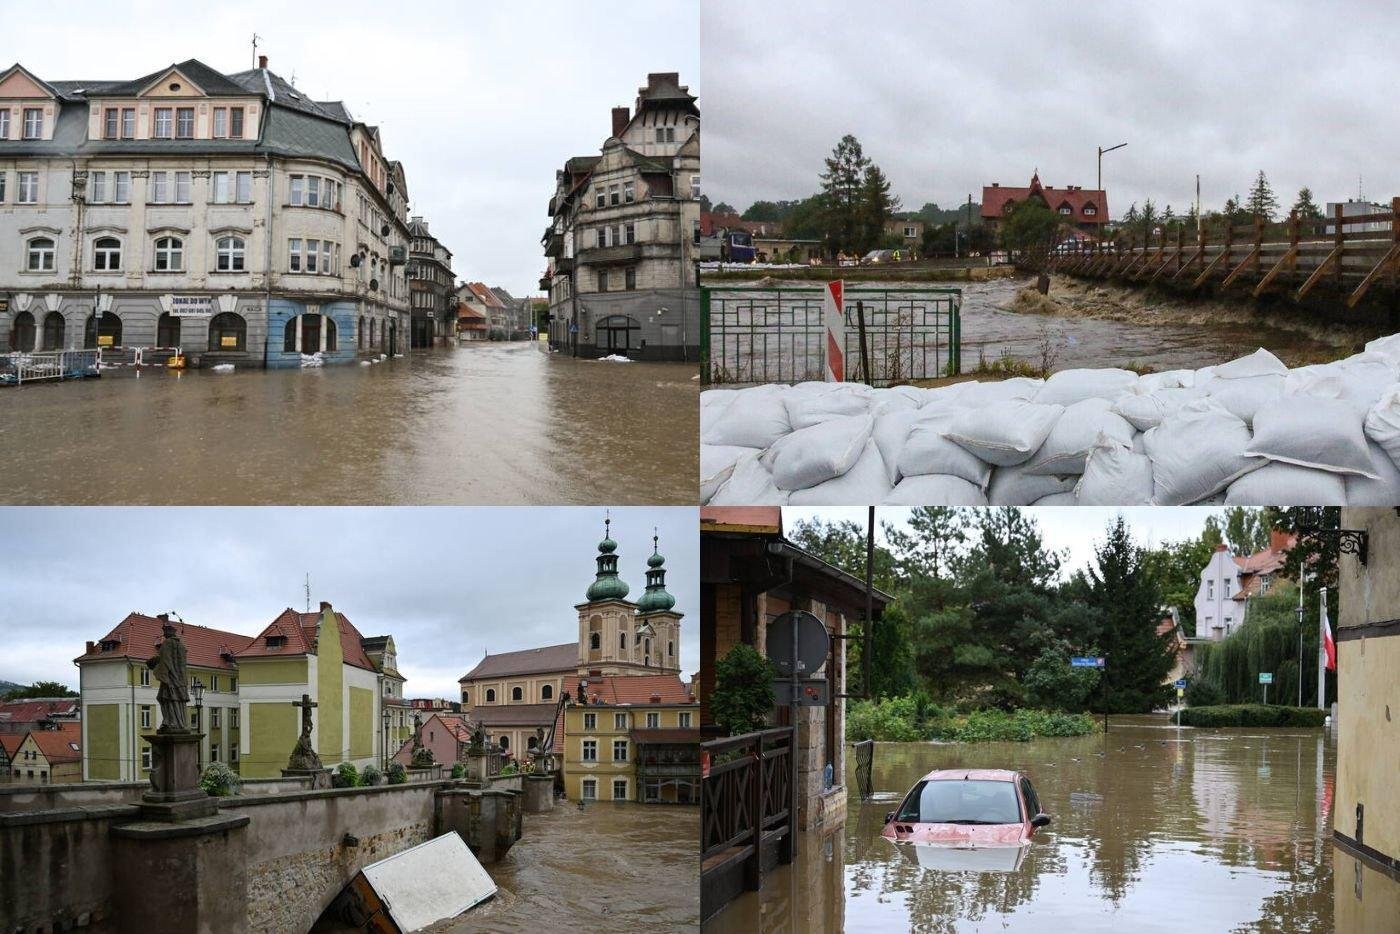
pixel 496 423
pixel 1154 829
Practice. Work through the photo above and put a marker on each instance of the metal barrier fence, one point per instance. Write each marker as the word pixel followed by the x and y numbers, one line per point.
pixel 776 334
pixel 17 368
pixel 865 763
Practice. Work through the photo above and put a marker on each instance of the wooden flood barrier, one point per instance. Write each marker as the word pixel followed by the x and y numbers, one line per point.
pixel 1353 256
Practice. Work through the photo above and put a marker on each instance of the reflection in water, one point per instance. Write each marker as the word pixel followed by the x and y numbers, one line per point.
pixel 1154 828
pixel 611 867
pixel 496 423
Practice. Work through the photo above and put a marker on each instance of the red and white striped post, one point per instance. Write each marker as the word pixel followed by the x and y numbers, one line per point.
pixel 834 318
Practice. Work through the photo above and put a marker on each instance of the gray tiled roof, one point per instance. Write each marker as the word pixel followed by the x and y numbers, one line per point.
pixel 210 81
pixel 295 133
pixel 526 661
pixel 284 95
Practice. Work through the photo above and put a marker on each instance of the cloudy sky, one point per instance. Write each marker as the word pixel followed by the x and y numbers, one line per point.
pixel 481 102
pixel 1073 530
pixel 951 96
pixel 447 583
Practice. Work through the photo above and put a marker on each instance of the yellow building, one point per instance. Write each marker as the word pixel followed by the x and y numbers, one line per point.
pixel 637 739
pixel 49 757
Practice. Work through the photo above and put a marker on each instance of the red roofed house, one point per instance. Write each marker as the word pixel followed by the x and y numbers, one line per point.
pixel 9 745
pixel 1083 208
pixel 36 713
pixel 447 734
pixel 48 757
pixel 1229 580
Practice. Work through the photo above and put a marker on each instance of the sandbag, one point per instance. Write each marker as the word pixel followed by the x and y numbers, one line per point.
pixel 1149 383
pixel 935 490
pixel 1244 396
pixel 1147 411
pixel 1058 499
pixel 1326 434
pixel 975 395
pixel 816 454
pixel 1115 476
pixel 1004 433
pixel 1388 347
pixel 928 451
pixel 1074 434
pixel 890 434
pixel 1015 486
pixel 755 419
pixel 1383 491
pixel 1382 424
pixel 804 411
pixel 1196 452
pixel 1281 484
pixel 716 464
pixel 749 484
pixel 862 485
pixel 1259 363
pixel 1070 386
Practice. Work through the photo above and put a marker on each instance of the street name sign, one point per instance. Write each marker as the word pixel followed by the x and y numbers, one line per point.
pixel 1086 661
pixel 1266 677
pixel 1181 684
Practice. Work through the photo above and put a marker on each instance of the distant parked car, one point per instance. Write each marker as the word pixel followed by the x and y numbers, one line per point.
pixel 973 819
pixel 875 257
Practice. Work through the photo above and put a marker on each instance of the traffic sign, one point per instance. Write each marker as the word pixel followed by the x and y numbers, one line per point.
pixel 1266 677
pixel 812 643
pixel 1180 683
pixel 1086 661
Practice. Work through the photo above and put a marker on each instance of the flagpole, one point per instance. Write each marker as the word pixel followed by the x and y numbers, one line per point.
pixel 1322 653
pixel 1302 579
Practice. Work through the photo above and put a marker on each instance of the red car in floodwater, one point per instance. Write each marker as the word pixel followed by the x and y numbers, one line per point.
pixel 991 810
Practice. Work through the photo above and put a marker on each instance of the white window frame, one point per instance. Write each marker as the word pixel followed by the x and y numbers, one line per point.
pixel 221 187
pixel 145 677
pixel 589 750
pixel 229 255
pixel 184 187
pixel 27 187
pixel 619 721
pixel 40 259
pixel 683 719
pixel 588 789
pixel 629 191
pixel 220 125
pixel 145 716
pixel 590 721
pixel 653 720
pixel 214 718
pixel 121 187
pixel 5 123
pixel 169 254
pixel 623 745
pixel 36 129
pixel 163 123
pixel 160 187
pixel 128 123
pixel 294 254
pixel 243 187
pixel 145 758
pixel 235 126
pixel 111 257
pixel 624 783
pixel 180 114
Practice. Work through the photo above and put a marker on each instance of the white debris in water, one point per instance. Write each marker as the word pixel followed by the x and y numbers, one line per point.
pixel 398 356
pixel 1248 432
pixel 222 368
pixel 312 360
pixel 364 363
pixel 616 358
pixel 383 356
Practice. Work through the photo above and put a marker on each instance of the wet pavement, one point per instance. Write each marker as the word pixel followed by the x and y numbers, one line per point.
pixel 1154 829
pixel 611 867
pixel 496 423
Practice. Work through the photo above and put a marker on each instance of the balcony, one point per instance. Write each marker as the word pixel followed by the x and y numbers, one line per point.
pixel 563 265
pixel 610 255
pixel 553 243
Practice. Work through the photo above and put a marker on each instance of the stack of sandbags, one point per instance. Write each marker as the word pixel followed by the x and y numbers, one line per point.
pixel 1247 432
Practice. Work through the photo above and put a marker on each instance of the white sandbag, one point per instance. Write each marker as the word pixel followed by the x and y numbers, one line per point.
pixel 716 464
pixel 1196 452
pixel 815 455
pixel 806 411
pixel 1388 347
pixel 1070 386
pixel 1244 396
pixel 753 420
pixel 935 490
pixel 749 484
pixel 1058 499
pixel 1383 491
pixel 890 434
pixel 1360 381
pixel 1074 434
pixel 864 484
pixel 1149 383
pixel 1115 476
pixel 1382 424
pixel 929 451
pixel 973 395
pixel 1004 433
pixel 1280 484
pixel 1259 363
pixel 1015 486
pixel 1326 434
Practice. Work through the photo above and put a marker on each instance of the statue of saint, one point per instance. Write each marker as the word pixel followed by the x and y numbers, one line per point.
pixel 169 666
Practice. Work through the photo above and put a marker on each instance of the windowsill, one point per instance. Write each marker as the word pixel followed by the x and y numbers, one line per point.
pixel 230 204
pixel 228 272
pixel 167 272
pixel 311 207
pixel 169 204
pixel 109 204
pixel 38 272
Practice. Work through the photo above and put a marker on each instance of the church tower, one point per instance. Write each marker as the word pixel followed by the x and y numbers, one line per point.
pixel 658 625
pixel 617 636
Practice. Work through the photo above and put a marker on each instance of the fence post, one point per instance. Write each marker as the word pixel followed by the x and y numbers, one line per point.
pixel 704 336
pixel 864 350
pixel 753 866
pixel 955 352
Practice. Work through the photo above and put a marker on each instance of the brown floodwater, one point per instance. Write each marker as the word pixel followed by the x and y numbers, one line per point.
pixel 500 423
pixel 611 867
pixel 1154 829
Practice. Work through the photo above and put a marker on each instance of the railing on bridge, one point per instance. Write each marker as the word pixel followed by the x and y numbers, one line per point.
pixel 19 367
pixel 746 810
pixel 753 334
pixel 1350 254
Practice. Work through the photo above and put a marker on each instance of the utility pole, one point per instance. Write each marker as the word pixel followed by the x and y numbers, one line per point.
pixel 1099 185
pixel 1302 579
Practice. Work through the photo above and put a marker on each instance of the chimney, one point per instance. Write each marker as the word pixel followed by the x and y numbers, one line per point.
pixel 163 617
pixel 91 647
pixel 996 184
pixel 262 61
pixel 1279 541
pixel 620 117
pixel 325 606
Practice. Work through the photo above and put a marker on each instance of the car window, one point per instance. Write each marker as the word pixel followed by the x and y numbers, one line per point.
pixel 1032 802
pixel 952 801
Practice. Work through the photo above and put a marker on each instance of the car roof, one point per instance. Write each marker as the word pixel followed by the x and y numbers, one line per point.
pixel 976 775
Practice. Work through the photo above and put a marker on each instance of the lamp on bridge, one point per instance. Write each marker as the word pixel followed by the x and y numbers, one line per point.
pixel 197 693
pixel 384 718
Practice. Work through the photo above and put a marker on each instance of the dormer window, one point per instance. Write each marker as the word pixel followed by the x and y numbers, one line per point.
pixel 1008 207
pixel 1090 210
pixel 33 123
pixel 276 642
pixel 110 645
pixel 1066 209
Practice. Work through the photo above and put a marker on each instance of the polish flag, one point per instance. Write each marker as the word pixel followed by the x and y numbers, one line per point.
pixel 1328 645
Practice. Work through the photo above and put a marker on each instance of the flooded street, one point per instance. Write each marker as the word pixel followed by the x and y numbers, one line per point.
pixel 1153 830
pixel 612 867
pixel 496 423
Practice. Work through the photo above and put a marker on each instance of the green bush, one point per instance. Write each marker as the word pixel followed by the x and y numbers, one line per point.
pixel 371 776
pixel 396 773
pixel 1253 715
pixel 1019 726
pixel 509 769
pixel 345 776
pixel 743 695
pixel 914 717
pixel 1203 692
pixel 219 780
pixel 457 770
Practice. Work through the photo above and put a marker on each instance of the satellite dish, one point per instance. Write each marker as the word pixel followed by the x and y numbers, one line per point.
pixel 384 230
pixel 354 259
pixel 374 284
pixel 813 643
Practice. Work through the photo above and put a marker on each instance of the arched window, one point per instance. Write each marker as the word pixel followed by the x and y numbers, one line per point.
pixel 531 743
pixel 490 695
pixel 228 254
pixel 55 328
pixel 170 257
pixel 330 333
pixel 289 334
pixel 168 330
pixel 39 254
pixel 104 333
pixel 670 649
pixel 547 692
pixel 505 742
pixel 22 332
pixel 107 254
pixel 622 640
pixel 595 640
pixel 228 331
pixel 517 694
pixel 466 697
pixel 360 334
pixel 647 651
pixel 618 333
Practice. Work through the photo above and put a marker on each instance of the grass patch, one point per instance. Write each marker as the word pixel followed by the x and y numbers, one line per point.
pixel 1253 715
pixel 1005 367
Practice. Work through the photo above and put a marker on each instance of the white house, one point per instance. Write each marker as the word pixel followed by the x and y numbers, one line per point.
pixel 1228 581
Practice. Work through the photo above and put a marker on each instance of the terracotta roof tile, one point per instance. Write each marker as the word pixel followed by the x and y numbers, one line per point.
pixel 995 197
pixel 61 745
pixel 138 635
pixel 637 689
pixel 299 629
pixel 31 711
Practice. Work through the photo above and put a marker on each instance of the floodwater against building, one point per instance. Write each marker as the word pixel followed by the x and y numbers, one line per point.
pixel 609 867
pixel 1154 829
pixel 500 423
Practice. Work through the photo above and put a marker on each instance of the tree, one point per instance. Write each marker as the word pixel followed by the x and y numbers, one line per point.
pixel 1052 684
pixel 1176 567
pixel 763 211
pixel 1130 605
pixel 1131 216
pixel 842 544
pixel 724 207
pixel 806 219
pixel 1232 209
pixel 937 534
pixel 1306 208
pixel 1247 530
pixel 1149 217
pixel 705 203
pixel 40 689
pixel 842 189
pixel 1030 228
pixel 877 206
pixel 743 696
pixel 1262 203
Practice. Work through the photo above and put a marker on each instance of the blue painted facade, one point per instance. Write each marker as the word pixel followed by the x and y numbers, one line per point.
pixel 281 310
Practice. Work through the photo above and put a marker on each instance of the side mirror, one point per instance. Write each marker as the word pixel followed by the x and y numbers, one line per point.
pixel 1040 820
pixel 889 816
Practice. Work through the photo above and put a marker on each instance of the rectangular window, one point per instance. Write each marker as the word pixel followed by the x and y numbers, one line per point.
pixel 244 187
pixel 590 721
pixel 653 720
pixel 619 721
pixel 233 714
pixel 214 686
pixel 619 750
pixel 182 187
pixel 1210 590
pixel 695 187
pixel 163 127
pixel 221 188
pixel 145 677
pixel 619 789
pixel 629 192
pixel 629 276
pixel 214 717
pixel 235 122
pixel 326 257
pixel 614 194
pixel 220 122
pixel 145 758
pixel 590 750
pixel 121 187
pixel 629 233
pixel 313 191
pixel 214 751
pixel 311 252
pixel 294 255
pixel 233 686
pixel 184 123
pixel 111 123
pixel 590 789
pixel 28 188
pixel 160 187
pixel 232 754
pixel 33 123
pixel 600 197
pixel 684 719
pixel 145 717
pixel 602 282
pixel 297 187
pixel 128 123
pixel 4 124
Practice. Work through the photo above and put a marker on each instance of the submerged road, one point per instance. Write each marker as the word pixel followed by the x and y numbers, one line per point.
pixel 495 423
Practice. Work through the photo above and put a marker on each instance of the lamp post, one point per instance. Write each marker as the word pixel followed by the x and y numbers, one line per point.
pixel 1099 185
pixel 197 692
pixel 384 719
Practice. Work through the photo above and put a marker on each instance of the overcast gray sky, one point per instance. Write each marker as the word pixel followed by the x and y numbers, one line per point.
pixel 481 102
pixel 951 96
pixel 1075 530
pixel 447 583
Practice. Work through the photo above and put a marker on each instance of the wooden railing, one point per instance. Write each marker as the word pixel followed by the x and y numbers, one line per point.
pixel 1349 254
pixel 746 805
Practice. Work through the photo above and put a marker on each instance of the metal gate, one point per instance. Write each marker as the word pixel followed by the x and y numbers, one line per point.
pixel 865 762
pixel 776 334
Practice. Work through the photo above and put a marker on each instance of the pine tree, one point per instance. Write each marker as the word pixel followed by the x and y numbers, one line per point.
pixel 1262 203
pixel 842 193
pixel 877 205
pixel 1305 206
pixel 1131 216
pixel 1149 217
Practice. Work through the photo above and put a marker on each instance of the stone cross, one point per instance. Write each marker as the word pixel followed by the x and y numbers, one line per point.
pixel 304 756
pixel 306 704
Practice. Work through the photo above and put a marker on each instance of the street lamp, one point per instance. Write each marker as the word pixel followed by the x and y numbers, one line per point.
pixel 197 691
pixel 1099 186
pixel 384 718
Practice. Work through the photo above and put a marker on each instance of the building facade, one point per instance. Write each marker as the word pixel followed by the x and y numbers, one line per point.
pixel 37 713
pixel 228 215
pixel 49 757
pixel 431 287
pixel 1080 208
pixel 1228 581
pixel 623 242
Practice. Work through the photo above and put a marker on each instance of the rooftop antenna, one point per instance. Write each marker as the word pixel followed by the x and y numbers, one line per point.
pixel 256 37
pixel 1360 189
pixel 308 591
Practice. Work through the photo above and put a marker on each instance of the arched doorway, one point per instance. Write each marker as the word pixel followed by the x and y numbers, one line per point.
pixel 618 334
pixel 22 332
pixel 55 330
pixel 228 331
pixel 308 327
pixel 393 338
pixel 106 332
pixel 167 330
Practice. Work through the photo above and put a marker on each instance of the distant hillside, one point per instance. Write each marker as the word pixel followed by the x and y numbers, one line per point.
pixel 8 686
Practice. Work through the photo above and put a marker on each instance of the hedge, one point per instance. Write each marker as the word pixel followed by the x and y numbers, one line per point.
pixel 1253 715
